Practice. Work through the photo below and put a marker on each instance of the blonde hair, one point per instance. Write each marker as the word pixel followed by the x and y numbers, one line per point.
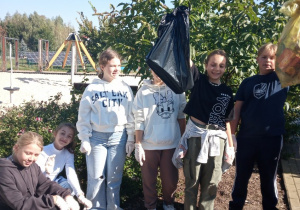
pixel 106 56
pixel 30 138
pixel 269 46
pixel 71 146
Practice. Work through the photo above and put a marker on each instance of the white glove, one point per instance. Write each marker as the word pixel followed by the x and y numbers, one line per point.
pixel 139 154
pixel 229 155
pixel 49 165
pixel 61 203
pixel 72 203
pixel 87 203
pixel 129 147
pixel 85 147
pixel 234 142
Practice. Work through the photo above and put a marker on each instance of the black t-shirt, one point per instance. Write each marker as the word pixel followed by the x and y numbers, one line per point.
pixel 262 110
pixel 209 102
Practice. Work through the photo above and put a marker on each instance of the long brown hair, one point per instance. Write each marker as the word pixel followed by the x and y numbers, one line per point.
pixel 71 146
pixel 106 56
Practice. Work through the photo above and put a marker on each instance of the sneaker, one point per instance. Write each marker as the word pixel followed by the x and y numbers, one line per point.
pixel 168 207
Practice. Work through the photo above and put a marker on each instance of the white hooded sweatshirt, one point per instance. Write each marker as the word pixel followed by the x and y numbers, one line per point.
pixel 105 107
pixel 156 109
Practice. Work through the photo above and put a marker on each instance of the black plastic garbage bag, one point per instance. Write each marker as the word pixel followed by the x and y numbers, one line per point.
pixel 169 58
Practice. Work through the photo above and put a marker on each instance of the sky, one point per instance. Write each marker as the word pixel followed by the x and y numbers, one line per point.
pixel 66 9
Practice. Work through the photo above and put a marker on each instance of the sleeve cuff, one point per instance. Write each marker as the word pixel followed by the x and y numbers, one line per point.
pixel 181 116
pixel 130 138
pixel 139 126
pixel 88 140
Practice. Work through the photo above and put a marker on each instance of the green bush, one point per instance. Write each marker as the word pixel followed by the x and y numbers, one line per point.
pixel 43 117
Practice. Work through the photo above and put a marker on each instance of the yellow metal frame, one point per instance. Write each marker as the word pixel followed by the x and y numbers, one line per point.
pixel 78 45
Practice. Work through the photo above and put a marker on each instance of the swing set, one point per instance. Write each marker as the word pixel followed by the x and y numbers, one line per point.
pixel 72 39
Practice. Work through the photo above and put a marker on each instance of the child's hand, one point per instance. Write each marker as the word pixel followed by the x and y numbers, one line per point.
pixel 83 200
pixel 229 155
pixel 139 154
pixel 72 203
pixel 85 147
pixel 50 164
pixel 60 203
pixel 129 147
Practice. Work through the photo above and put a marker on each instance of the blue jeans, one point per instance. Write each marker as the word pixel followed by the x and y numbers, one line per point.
pixel 105 166
pixel 62 181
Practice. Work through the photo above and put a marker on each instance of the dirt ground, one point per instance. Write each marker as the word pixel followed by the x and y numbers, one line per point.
pixel 224 193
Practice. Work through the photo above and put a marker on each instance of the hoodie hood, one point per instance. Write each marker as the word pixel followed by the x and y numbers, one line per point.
pixel 8 162
pixel 154 87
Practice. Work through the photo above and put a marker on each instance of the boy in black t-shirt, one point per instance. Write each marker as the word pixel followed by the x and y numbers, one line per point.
pixel 259 106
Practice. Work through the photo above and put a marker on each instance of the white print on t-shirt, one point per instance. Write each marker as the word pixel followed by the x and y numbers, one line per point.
pixel 266 89
pixel 164 104
pixel 219 110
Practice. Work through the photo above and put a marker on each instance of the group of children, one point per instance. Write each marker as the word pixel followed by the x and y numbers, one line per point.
pixel 113 123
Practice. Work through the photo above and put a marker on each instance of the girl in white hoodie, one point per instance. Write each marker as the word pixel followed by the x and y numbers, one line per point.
pixel 104 117
pixel 159 123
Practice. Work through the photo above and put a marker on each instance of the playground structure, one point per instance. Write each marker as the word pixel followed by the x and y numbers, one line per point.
pixel 73 40
pixel 40 60
pixel 15 42
pixel 4 41
pixel 11 88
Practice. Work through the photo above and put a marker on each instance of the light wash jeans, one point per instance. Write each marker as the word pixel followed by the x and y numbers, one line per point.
pixel 62 181
pixel 105 166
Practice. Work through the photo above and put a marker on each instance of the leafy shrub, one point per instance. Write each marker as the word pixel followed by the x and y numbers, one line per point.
pixel 43 117
pixel 292 125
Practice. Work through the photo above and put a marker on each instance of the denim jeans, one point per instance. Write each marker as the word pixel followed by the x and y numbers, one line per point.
pixel 62 181
pixel 105 166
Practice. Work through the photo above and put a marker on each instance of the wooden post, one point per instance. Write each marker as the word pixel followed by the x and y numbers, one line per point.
pixel 73 64
pixel 47 51
pixel 40 68
pixel 17 54
pixel 3 54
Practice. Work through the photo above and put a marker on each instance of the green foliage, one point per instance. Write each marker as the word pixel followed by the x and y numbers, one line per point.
pixel 292 125
pixel 131 187
pixel 238 27
pixel 43 118
pixel 31 28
